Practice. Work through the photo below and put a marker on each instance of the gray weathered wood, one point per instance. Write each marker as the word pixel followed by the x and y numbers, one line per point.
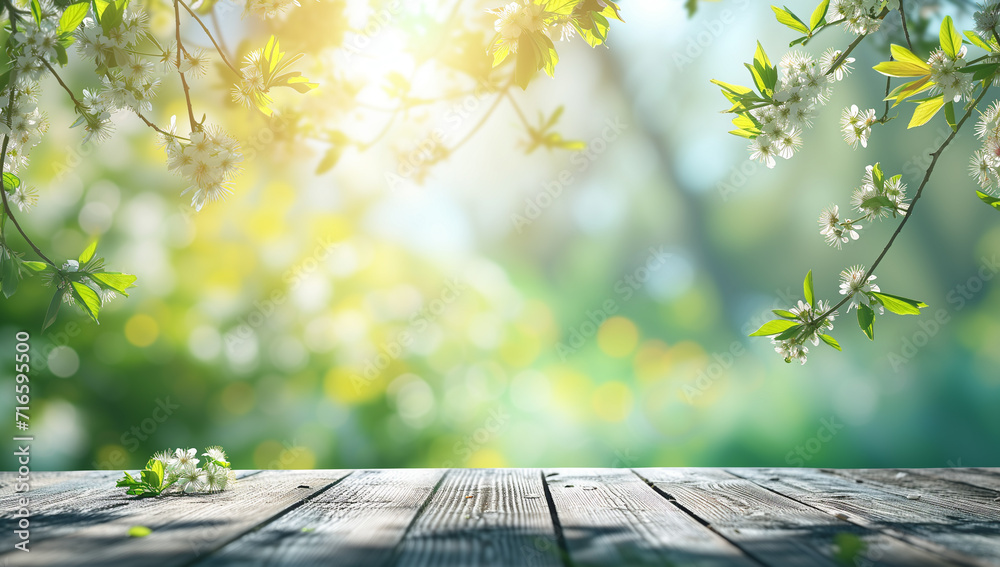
pixel 359 521
pixel 943 531
pixel 983 478
pixel 570 518
pixel 611 517
pixel 488 517
pixel 773 528
pixel 184 527
pixel 970 502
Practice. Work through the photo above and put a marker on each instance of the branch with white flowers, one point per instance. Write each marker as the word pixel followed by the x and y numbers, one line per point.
pixel 943 80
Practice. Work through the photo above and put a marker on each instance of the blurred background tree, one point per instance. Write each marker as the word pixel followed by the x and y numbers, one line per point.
pixel 362 301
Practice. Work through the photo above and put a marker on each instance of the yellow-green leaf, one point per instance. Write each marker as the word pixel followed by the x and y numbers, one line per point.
pixel 900 53
pixel 903 69
pixel 951 41
pixel 925 111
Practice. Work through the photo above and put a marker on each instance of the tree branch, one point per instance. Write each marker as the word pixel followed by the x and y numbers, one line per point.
pixel 916 197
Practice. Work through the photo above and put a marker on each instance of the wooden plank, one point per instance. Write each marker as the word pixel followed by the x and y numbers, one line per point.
pixel 972 503
pixel 983 478
pixel 611 517
pixel 773 528
pixel 485 517
pixel 61 503
pixel 184 527
pixel 9 480
pixel 916 521
pixel 359 521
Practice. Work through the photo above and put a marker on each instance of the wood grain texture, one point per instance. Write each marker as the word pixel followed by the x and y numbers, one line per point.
pixel 522 517
pixel 486 517
pixel 945 531
pixel 184 527
pixel 359 521
pixel 983 478
pixel 611 517
pixel 776 529
pixel 972 502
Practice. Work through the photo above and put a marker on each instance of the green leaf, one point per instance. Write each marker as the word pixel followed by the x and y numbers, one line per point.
pixel 153 473
pixel 878 177
pixel 72 17
pixel 773 328
pixel 11 182
pixel 903 69
pixel 974 39
pixel 767 72
pixel 989 200
pixel 53 310
pixel 88 299
pixel 735 89
pixel 88 253
pixel 900 305
pixel 831 341
pixel 925 111
pixel 116 281
pixel 139 531
pixel 34 266
pixel 878 201
pixel 783 313
pixel 807 289
pixel 789 333
pixel 786 17
pixel 11 274
pixel 819 14
pixel 866 320
pixel 36 11
pixel 951 41
pixel 949 115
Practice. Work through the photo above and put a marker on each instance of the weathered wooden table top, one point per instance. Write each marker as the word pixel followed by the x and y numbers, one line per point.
pixel 558 517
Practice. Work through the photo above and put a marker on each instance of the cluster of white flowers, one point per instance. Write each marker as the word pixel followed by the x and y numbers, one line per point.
pixel 859 16
pixel 182 473
pixel 837 231
pixel 115 47
pixel 209 159
pixel 946 73
pixel 987 18
pixel 25 125
pixel 36 43
pixel 874 200
pixel 252 87
pixel 24 197
pixel 129 84
pixel 269 8
pixel 985 163
pixel 855 285
pixel 72 266
pixel 893 189
pixel 856 125
pixel 814 321
pixel 806 85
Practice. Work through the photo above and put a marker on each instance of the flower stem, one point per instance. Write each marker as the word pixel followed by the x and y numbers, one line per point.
pixel 180 47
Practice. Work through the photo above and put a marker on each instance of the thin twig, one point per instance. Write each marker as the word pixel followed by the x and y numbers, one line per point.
pixel 210 37
pixel 847 52
pixel 180 46
pixel 906 30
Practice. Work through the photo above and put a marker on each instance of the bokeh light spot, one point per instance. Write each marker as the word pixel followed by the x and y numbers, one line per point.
pixel 618 337
pixel 612 401
pixel 142 330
